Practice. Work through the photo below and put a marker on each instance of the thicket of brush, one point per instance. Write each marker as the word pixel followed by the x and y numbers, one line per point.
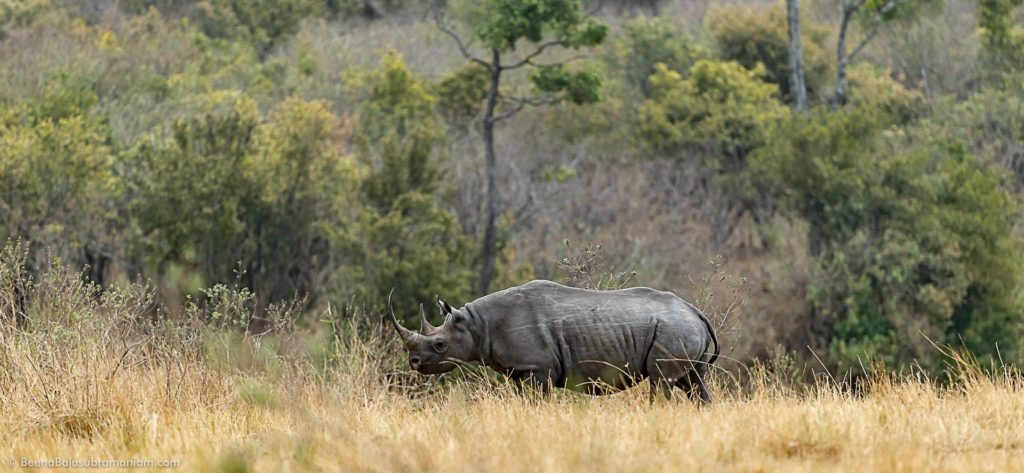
pixel 336 149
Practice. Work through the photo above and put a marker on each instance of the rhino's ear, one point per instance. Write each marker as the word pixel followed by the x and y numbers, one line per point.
pixel 455 318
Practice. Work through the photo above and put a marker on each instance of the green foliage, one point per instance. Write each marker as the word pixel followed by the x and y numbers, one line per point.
pixel 720 107
pixel 234 187
pixel 65 96
pixel 873 88
pixel 366 8
pixel 196 143
pixel 759 36
pixel 15 13
pixel 139 7
pixel 501 24
pixel 556 82
pixel 718 115
pixel 407 239
pixel 874 12
pixel 1003 34
pixel 190 191
pixel 398 132
pixel 263 22
pixel 417 247
pixel 646 42
pixel 306 192
pixel 912 242
pixel 991 124
pixel 56 176
pixel 461 94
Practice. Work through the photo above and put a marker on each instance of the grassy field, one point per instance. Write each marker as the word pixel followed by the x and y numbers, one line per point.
pixel 211 420
pixel 111 375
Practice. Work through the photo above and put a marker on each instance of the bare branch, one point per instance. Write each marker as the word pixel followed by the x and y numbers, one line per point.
pixel 874 29
pixel 532 101
pixel 458 41
pixel 522 102
pixel 537 52
pixel 508 114
pixel 890 5
pixel 577 57
pixel 597 8
pixel 848 9
pixel 864 42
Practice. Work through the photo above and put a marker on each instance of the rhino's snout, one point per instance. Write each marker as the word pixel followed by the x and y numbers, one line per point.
pixel 414 362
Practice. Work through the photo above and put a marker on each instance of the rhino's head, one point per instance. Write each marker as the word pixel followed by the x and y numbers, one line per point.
pixel 436 350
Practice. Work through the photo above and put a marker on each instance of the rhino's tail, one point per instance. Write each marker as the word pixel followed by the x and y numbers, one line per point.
pixel 714 338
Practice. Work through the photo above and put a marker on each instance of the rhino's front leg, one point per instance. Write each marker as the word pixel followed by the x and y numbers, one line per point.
pixel 535 378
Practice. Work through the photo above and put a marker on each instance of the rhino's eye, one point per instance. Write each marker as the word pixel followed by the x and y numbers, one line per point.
pixel 440 346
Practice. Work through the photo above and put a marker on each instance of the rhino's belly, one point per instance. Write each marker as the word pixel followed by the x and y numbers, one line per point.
pixel 610 351
pixel 614 374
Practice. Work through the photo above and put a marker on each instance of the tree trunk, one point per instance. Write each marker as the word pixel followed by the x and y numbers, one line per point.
pixel 490 228
pixel 797 87
pixel 839 95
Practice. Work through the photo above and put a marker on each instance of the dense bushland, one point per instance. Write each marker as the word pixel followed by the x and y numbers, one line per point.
pixel 327 151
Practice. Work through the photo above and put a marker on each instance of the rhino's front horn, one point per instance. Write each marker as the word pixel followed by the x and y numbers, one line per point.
pixel 403 332
pixel 425 327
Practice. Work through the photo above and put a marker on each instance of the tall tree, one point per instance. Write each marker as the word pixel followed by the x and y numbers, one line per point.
pixel 796 56
pixel 500 25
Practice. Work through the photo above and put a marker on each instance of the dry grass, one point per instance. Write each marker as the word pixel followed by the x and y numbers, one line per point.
pixel 236 425
pixel 119 382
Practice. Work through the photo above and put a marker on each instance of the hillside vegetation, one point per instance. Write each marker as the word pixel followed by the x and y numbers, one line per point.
pixel 333 150
pixel 205 203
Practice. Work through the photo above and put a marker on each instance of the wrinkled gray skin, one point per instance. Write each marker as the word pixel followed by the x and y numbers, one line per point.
pixel 546 334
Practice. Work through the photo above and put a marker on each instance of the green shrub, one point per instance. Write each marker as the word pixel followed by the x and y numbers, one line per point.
pixel 753 36
pixel 647 42
pixel 406 238
pixel 912 238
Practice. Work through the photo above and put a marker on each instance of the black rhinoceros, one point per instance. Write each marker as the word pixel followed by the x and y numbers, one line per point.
pixel 548 334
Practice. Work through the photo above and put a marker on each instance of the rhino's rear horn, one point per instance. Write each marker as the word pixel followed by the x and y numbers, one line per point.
pixel 425 327
pixel 403 332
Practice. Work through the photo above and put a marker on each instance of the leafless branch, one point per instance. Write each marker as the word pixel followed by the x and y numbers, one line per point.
pixel 533 101
pixel 593 11
pixel 864 42
pixel 849 8
pixel 458 41
pixel 577 57
pixel 520 103
pixel 890 5
pixel 509 113
pixel 886 8
pixel 537 52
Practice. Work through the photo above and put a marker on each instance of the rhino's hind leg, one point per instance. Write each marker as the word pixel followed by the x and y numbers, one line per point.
pixel 663 385
pixel 694 385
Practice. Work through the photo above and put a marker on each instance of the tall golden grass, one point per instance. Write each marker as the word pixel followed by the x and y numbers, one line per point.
pixel 110 375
